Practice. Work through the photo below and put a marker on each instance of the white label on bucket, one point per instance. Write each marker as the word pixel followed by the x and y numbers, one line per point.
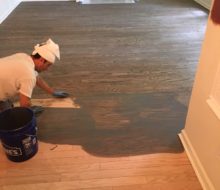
pixel 12 151
pixel 34 141
pixel 27 143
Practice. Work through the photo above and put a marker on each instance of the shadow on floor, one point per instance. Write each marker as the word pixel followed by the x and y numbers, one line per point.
pixel 117 125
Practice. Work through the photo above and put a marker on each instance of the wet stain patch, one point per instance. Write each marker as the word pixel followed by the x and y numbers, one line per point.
pixel 118 124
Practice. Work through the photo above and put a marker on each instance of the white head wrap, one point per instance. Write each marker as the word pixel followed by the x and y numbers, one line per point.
pixel 48 50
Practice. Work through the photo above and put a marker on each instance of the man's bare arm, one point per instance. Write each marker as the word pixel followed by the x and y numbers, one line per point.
pixel 43 85
pixel 24 101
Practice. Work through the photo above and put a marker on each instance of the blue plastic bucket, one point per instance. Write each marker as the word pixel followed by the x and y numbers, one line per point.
pixel 18 133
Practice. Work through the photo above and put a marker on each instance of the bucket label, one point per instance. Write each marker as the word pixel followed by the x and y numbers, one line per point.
pixel 29 144
pixel 34 141
pixel 12 151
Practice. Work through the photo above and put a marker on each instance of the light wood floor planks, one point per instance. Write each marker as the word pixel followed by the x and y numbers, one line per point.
pixel 130 68
pixel 70 167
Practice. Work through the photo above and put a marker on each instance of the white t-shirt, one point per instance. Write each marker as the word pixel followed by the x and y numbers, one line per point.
pixel 17 75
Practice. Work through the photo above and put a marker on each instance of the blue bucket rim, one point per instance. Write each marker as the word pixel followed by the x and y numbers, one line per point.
pixel 22 127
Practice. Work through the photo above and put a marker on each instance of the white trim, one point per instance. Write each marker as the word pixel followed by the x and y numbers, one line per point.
pixel 215 107
pixel 205 4
pixel 9 9
pixel 194 159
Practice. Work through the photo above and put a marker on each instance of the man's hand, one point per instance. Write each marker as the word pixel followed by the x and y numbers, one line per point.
pixel 60 94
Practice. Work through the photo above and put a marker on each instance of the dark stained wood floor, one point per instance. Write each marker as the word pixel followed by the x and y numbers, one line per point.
pixel 131 69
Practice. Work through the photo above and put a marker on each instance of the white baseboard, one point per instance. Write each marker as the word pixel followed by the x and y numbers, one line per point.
pixel 194 159
pixel 8 9
pixel 204 3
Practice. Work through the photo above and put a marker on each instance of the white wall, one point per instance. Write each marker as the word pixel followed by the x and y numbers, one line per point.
pixel 6 7
pixel 201 135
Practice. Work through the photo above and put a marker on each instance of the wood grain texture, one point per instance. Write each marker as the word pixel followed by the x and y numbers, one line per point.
pixel 130 68
pixel 70 167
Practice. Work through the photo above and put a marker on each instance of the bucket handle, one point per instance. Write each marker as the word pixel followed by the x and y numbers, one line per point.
pixel 36 128
pixel 30 135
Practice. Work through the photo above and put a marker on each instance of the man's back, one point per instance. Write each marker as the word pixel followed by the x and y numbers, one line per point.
pixel 17 74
